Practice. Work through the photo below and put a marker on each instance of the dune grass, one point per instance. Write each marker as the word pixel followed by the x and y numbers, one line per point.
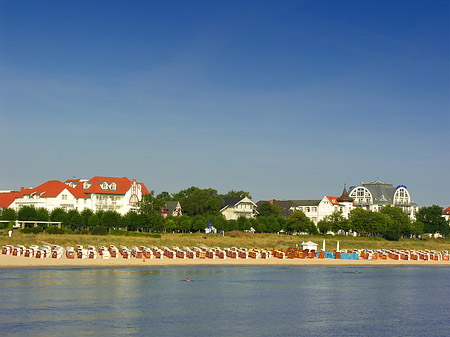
pixel 237 239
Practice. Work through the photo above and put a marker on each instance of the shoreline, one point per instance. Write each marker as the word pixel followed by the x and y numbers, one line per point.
pixel 9 261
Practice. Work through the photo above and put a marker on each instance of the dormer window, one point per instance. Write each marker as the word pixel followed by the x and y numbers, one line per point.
pixel 104 186
pixel 86 185
pixel 112 186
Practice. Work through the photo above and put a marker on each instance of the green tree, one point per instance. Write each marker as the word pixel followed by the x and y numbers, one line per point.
pixel 131 221
pixel 274 224
pixel 110 219
pixel 150 205
pixel 42 214
pixel 369 223
pixel 184 194
pixel 199 223
pixel 156 222
pixel 170 225
pixel 237 194
pixel 300 223
pixel 76 221
pixel 27 213
pixel 417 228
pixel 336 222
pixel 93 221
pixel 232 225
pixel 218 221
pixel 86 214
pixel 183 223
pixel 9 214
pixel 243 223
pixel 268 209
pixel 323 226
pixel 202 202
pixel 400 220
pixel 59 215
pixel 359 220
pixel 432 220
pixel 164 196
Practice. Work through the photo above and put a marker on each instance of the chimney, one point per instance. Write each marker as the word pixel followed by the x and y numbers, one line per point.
pixel 22 189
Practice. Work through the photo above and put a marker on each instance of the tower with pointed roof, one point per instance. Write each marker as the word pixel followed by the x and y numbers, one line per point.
pixel 345 198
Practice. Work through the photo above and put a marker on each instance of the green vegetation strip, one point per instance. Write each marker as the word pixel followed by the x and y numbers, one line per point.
pixel 237 239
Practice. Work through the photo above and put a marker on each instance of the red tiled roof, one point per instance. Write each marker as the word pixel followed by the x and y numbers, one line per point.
pixel 333 200
pixel 122 185
pixel 49 189
pixel 8 198
pixel 447 210
pixel 53 188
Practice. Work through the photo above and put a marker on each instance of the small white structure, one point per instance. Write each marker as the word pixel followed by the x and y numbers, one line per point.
pixel 309 245
pixel 210 230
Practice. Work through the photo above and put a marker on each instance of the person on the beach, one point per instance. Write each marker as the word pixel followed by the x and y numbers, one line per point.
pixel 10 233
pixel 187 280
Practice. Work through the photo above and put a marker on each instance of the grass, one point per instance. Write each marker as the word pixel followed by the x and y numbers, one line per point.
pixel 237 239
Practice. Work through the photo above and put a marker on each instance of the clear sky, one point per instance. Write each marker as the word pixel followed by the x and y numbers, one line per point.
pixel 284 99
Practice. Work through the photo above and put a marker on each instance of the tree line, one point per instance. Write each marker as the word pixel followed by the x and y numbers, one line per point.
pixel 391 222
pixel 202 206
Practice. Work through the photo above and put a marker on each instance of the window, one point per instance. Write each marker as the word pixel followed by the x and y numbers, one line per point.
pixel 64 197
pixel 104 186
pixel 112 186
pixel 134 199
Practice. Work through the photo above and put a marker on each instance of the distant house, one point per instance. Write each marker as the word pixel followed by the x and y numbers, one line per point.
pixel 50 195
pixel 315 210
pixel 446 213
pixel 110 193
pixel 375 195
pixel 171 208
pixel 234 208
pixel 99 193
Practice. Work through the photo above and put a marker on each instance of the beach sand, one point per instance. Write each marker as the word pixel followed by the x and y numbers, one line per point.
pixel 9 261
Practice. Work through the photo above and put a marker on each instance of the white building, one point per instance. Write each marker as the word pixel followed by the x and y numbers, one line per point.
pixel 98 193
pixel 50 195
pixel 318 209
pixel 235 208
pixel 375 195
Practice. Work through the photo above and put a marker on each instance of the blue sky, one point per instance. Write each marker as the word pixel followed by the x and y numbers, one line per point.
pixel 284 99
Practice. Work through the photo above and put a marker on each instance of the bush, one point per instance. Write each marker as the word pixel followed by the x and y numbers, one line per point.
pixel 55 230
pixel 99 231
pixel 138 234
pixel 33 230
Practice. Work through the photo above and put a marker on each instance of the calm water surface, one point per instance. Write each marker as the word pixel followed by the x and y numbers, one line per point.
pixel 226 301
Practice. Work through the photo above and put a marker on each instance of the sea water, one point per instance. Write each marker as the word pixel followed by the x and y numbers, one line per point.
pixel 226 301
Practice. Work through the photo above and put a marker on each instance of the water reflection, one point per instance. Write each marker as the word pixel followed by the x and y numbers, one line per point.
pixel 224 301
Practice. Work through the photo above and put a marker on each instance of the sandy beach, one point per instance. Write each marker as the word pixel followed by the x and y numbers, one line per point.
pixel 9 261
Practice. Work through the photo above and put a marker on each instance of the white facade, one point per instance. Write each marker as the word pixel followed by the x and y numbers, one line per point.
pixel 323 208
pixel 234 209
pixel 65 199
pixel 99 193
pixel 375 195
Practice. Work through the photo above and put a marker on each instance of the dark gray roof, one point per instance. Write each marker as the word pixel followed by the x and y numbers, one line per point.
pixel 171 206
pixel 231 201
pixel 381 192
pixel 306 202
